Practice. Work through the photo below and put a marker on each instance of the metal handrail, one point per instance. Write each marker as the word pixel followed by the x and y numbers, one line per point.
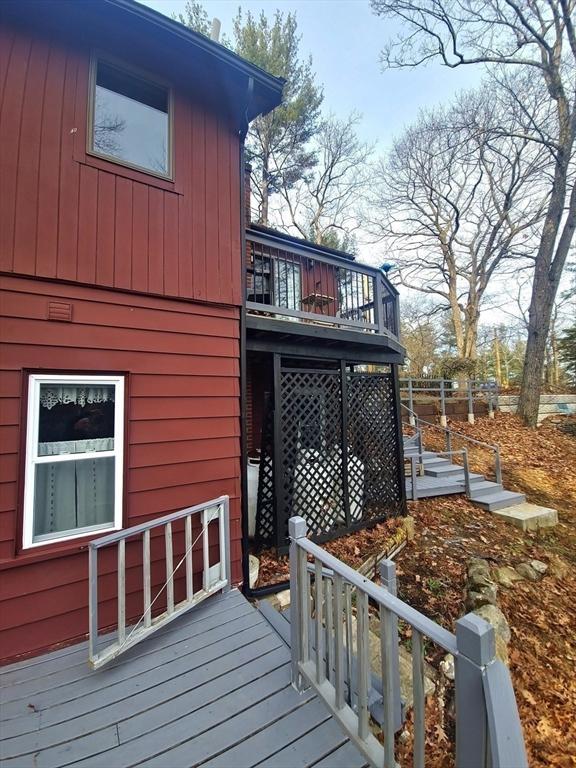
pixel 449 434
pixel 414 473
pixel 488 729
pixel 214 578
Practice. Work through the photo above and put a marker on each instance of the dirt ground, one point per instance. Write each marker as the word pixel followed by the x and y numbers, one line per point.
pixel 542 615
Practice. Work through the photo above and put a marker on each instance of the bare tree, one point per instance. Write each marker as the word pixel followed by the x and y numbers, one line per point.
pixel 421 332
pixel 534 39
pixel 325 206
pixel 456 207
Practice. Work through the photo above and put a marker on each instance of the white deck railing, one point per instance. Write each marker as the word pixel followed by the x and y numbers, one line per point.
pixel 488 730
pixel 214 578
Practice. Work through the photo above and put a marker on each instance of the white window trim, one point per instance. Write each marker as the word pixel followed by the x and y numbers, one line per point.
pixel 32 457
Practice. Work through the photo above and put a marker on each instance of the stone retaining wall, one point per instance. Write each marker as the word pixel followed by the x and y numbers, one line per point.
pixel 549 405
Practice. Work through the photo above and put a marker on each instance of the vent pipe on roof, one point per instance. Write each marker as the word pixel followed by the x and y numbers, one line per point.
pixel 215 34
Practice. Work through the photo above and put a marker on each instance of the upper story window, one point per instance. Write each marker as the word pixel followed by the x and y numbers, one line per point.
pixel 130 119
pixel 74 452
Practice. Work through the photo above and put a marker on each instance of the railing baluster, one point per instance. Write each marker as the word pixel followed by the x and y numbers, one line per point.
pixel 146 578
pixel 329 631
pixel 349 668
pixel 169 569
pixel 121 590
pixel 419 701
pixel 205 551
pixel 339 679
pixel 189 570
pixel 306 591
pixel 363 662
pixel 319 605
pixel 414 472
pixel 387 652
pixel 93 601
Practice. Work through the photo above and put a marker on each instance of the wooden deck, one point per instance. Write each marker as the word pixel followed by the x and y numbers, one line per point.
pixel 211 689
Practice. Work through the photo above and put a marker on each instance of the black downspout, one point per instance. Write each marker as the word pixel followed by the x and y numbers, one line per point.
pixel 270 588
pixel 243 434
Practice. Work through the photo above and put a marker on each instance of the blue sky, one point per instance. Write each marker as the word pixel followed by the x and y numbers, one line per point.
pixel 344 39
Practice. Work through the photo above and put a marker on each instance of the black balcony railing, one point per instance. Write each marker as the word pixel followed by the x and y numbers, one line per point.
pixel 301 284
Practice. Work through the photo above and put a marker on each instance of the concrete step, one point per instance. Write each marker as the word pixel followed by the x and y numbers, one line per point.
pixel 529 517
pixel 499 500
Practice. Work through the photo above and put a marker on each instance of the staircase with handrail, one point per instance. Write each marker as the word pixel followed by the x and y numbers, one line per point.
pixel 433 473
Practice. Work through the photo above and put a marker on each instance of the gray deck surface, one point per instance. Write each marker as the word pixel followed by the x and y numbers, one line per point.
pixel 212 689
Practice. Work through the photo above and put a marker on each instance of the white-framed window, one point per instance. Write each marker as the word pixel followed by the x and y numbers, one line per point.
pixel 74 457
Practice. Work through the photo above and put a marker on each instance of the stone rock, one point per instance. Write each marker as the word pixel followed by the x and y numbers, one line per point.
pixel 539 566
pixel 283 598
pixel 483 596
pixel 254 568
pixel 494 616
pixel 526 570
pixel 507 576
pixel 480 579
pixel 478 569
pixel 478 563
pixel 447 666
pixel 404 666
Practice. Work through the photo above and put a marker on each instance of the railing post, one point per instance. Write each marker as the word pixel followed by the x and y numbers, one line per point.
pixel 442 404
pixel 498 465
pixel 388 579
pixel 476 648
pixel 467 489
pixel 413 472
pixel 92 601
pixel 411 418
pixel 378 304
pixel 470 404
pixel 297 528
pixel 225 534
pixel 420 440
pixel 448 441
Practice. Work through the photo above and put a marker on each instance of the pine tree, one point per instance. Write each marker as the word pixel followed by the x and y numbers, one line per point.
pixel 277 143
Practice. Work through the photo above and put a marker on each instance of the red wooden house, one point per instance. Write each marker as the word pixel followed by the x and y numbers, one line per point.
pixel 150 342
pixel 121 234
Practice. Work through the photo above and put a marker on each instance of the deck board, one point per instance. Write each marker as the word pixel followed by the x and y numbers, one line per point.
pixel 211 689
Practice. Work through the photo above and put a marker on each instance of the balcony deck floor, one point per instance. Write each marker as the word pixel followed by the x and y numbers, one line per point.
pixel 211 689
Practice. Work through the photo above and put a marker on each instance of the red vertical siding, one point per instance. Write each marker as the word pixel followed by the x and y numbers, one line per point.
pixel 65 214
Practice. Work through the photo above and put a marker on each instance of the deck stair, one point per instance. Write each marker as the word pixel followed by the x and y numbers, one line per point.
pixel 442 477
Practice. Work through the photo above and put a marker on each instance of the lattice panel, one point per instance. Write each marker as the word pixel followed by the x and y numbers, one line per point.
pixel 314 471
pixel 311 418
pixel 372 438
pixel 265 515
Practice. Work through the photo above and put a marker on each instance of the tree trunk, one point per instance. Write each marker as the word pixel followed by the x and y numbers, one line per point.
pixel 264 196
pixel 497 366
pixel 548 268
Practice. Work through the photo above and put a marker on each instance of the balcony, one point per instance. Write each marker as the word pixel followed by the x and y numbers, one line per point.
pixel 316 291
